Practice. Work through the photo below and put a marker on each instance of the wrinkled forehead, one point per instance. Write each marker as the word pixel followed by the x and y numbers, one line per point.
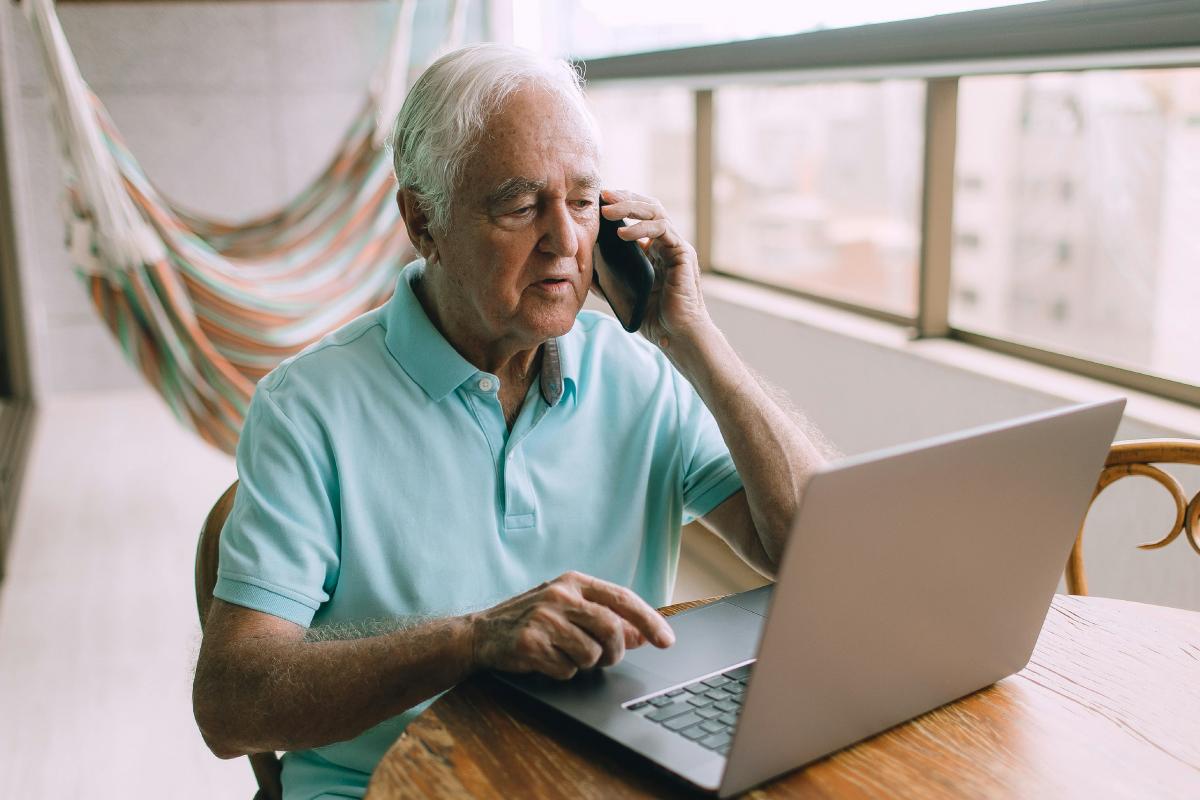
pixel 535 106
pixel 536 139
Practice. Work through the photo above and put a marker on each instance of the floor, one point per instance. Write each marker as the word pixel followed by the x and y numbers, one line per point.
pixel 98 629
pixel 98 633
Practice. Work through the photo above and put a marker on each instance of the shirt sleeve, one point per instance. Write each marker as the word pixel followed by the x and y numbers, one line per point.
pixel 279 547
pixel 709 476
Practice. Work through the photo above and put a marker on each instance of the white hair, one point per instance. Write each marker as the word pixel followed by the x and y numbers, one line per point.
pixel 448 108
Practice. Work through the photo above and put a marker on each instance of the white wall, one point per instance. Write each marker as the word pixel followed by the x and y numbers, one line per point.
pixel 230 107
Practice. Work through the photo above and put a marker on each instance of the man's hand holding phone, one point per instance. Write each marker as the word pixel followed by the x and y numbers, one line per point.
pixel 674 306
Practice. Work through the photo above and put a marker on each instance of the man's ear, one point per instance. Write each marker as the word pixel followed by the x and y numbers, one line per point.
pixel 417 223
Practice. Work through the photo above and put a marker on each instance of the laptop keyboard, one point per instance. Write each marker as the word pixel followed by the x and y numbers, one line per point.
pixel 705 711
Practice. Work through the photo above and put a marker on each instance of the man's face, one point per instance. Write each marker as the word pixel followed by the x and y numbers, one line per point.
pixel 517 255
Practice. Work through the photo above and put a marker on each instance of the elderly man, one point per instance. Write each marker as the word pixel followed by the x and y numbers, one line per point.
pixel 479 438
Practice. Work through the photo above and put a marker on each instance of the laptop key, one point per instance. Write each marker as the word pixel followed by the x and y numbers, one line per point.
pixel 718 694
pixel 716 740
pixel 715 681
pixel 724 749
pixel 660 701
pixel 666 712
pixel 700 700
pixel 682 721
pixel 695 732
pixel 709 713
pixel 675 693
pixel 739 673
pixel 726 705
pixel 728 719
pixel 696 688
pixel 733 687
pixel 713 726
pixel 639 705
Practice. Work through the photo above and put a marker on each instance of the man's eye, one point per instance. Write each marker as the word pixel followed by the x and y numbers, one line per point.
pixel 522 211
pixel 584 203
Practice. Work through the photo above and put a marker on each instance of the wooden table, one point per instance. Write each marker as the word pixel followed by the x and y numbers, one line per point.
pixel 1109 706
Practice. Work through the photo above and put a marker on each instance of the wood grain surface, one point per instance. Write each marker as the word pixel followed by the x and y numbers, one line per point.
pixel 1109 706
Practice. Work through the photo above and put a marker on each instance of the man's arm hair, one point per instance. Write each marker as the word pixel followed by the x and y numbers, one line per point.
pixel 781 398
pixel 364 629
pixel 263 683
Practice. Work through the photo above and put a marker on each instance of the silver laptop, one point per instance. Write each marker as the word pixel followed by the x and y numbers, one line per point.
pixel 913 576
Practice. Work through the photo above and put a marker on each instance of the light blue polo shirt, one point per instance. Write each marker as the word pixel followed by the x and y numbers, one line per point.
pixel 379 480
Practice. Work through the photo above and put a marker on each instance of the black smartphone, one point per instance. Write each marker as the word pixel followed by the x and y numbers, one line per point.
pixel 623 274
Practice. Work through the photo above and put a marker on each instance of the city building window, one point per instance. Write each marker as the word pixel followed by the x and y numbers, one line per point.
pixel 1122 150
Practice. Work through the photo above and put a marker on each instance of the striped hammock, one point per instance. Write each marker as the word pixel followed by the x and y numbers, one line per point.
pixel 204 308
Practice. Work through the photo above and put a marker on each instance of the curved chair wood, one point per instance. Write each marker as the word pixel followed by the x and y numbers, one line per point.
pixel 1137 458
pixel 266 766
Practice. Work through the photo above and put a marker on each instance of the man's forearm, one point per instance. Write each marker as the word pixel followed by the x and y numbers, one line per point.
pixel 262 693
pixel 262 683
pixel 774 455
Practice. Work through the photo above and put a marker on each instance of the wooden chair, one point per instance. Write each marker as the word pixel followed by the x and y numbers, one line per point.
pixel 266 766
pixel 1136 458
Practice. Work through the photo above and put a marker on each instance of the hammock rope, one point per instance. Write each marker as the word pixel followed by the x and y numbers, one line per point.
pixel 202 307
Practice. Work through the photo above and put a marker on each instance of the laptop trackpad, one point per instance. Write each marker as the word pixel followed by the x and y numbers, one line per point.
pixel 706 640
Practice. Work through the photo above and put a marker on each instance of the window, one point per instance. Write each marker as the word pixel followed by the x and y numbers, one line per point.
pixel 1062 230
pixel 1090 193
pixel 588 28
pixel 649 146
pixel 818 188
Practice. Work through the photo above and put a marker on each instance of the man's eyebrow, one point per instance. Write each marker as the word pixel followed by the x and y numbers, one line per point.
pixel 589 181
pixel 511 188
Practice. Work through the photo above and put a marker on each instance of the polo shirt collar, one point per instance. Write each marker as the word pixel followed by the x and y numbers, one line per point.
pixel 569 347
pixel 422 352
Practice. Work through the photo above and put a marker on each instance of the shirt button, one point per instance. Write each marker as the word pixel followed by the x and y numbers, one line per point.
pixel 485 384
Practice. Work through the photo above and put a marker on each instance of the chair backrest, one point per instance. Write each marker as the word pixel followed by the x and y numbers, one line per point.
pixel 266 766
pixel 1136 458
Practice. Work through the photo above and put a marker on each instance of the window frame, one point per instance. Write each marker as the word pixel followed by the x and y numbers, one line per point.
pixel 16 386
pixel 1054 36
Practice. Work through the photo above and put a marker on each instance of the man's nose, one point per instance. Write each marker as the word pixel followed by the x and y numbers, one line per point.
pixel 559 236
